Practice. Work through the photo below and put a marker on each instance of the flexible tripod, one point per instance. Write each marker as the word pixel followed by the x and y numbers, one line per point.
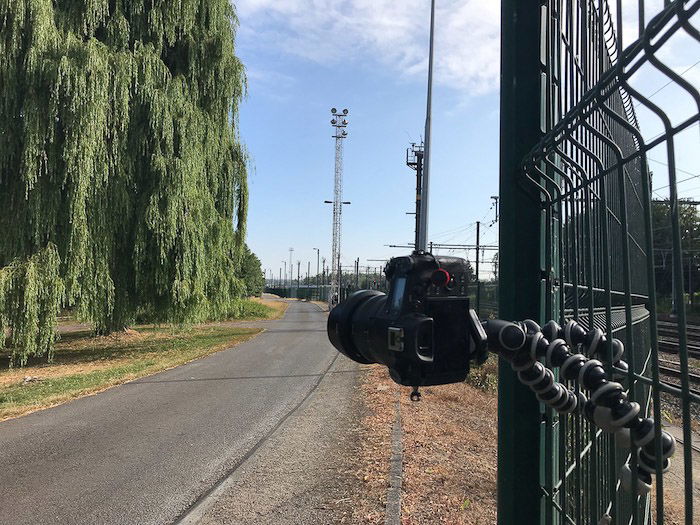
pixel 523 344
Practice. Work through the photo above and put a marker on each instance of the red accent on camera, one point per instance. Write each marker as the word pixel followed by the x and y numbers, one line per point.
pixel 440 277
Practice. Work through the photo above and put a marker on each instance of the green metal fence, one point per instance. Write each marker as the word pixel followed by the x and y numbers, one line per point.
pixel 577 243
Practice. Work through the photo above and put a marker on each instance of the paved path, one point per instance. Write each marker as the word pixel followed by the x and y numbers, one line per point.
pixel 166 447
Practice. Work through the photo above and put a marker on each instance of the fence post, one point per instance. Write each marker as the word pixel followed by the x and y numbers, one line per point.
pixel 478 281
pixel 519 418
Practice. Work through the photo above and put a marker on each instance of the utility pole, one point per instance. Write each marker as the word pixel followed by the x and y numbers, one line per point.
pixel 673 283
pixel 414 160
pixel 308 278
pixel 298 274
pixel 291 268
pixel 495 205
pixel 691 260
pixel 478 284
pixel 318 290
pixel 285 274
pixel 339 122
pixel 340 279
pixel 421 245
pixel 280 281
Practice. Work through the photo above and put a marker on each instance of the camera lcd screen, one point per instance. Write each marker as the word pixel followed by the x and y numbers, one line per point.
pixel 398 291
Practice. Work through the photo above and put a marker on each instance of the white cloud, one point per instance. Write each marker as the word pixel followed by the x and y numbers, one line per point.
pixel 389 33
pixel 393 34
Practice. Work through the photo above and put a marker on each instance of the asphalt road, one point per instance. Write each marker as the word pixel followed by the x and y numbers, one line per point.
pixel 152 450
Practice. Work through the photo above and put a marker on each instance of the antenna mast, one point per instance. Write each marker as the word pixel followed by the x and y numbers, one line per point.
pixel 422 236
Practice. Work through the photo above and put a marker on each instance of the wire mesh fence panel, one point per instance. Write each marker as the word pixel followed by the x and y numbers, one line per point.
pixel 487 304
pixel 587 177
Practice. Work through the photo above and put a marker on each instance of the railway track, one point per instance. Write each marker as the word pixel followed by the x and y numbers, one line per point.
pixel 668 343
pixel 672 368
pixel 693 446
pixel 668 338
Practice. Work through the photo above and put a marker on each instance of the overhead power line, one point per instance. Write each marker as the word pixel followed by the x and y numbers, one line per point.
pixel 668 83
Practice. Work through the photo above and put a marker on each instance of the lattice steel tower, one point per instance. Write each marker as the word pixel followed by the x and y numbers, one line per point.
pixel 339 122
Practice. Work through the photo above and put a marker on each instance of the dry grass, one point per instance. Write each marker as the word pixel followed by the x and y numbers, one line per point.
pixel 379 396
pixel 450 456
pixel 450 453
pixel 449 447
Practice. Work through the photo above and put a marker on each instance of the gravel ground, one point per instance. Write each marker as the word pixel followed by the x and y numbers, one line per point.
pixel 675 481
pixel 671 404
pixel 305 473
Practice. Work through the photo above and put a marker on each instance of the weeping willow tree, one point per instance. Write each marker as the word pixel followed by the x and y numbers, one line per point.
pixel 122 177
pixel 251 273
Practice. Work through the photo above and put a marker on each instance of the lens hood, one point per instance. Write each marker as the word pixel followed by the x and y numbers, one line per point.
pixel 340 325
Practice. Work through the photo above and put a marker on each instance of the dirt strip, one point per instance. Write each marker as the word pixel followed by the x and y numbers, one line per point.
pixel 449 453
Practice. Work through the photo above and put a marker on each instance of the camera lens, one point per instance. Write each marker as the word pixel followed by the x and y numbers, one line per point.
pixel 349 324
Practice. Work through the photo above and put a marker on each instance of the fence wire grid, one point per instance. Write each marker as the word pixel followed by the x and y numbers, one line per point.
pixel 602 120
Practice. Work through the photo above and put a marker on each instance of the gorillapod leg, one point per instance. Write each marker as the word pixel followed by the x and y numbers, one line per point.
pixel 523 344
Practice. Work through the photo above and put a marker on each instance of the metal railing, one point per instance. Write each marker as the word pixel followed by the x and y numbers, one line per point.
pixel 577 238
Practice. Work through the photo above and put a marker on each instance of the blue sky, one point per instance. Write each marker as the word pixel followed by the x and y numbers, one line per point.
pixel 300 66
pixel 370 56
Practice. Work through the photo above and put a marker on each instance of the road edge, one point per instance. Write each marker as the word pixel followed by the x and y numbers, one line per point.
pixel 196 511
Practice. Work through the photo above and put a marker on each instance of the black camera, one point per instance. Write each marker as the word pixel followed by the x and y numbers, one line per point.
pixel 423 330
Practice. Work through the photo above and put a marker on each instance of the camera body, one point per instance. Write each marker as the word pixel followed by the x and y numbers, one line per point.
pixel 420 330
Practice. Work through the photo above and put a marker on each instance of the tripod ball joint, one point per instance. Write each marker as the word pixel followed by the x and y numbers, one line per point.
pixel 594 341
pixel 521 344
pixel 643 480
pixel 525 344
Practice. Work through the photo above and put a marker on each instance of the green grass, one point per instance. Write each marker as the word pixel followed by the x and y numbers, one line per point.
pixel 255 310
pixel 19 395
pixel 485 376
pixel 86 364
